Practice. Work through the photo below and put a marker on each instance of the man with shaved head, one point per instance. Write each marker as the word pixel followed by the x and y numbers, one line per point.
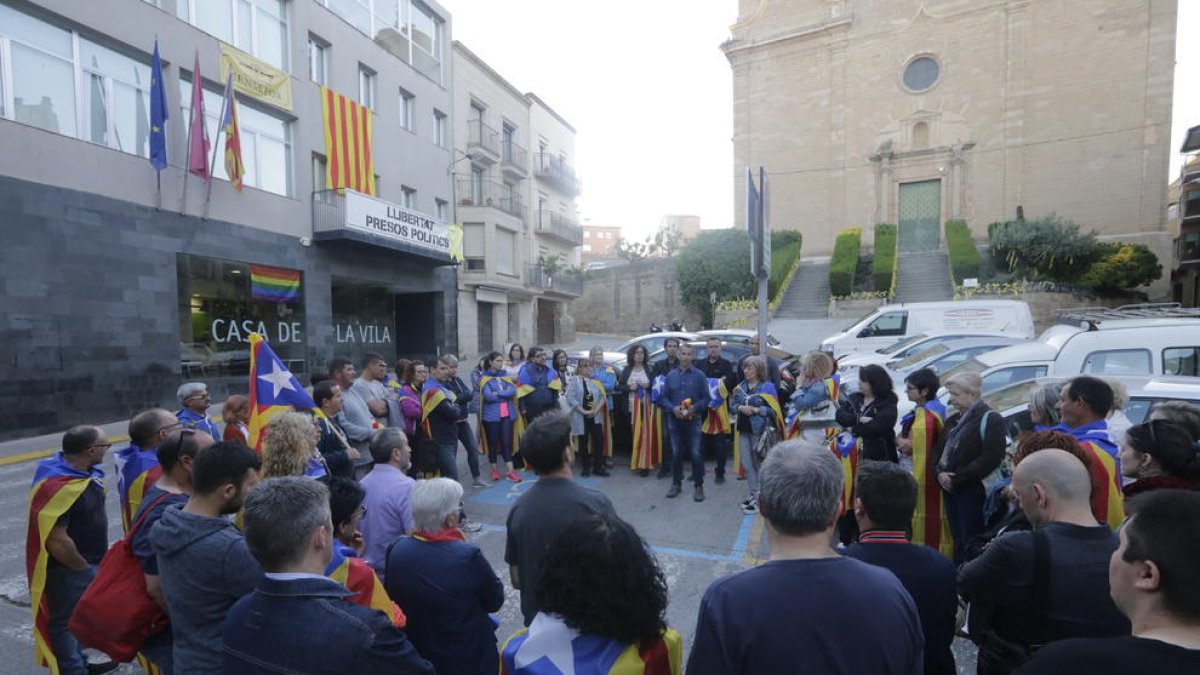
pixel 1049 584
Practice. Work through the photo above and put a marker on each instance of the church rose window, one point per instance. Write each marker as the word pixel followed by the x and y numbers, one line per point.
pixel 921 73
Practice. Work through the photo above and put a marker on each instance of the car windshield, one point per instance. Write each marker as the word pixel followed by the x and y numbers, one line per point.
pixel 920 356
pixel 1011 396
pixel 969 366
pixel 859 320
pixel 901 344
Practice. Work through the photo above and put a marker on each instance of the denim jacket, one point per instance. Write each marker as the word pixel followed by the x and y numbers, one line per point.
pixel 307 625
pixel 810 395
pixel 744 395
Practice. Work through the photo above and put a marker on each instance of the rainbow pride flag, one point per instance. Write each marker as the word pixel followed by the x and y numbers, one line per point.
pixel 274 284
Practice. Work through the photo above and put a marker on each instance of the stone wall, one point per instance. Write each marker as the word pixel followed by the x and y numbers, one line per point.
pixel 628 298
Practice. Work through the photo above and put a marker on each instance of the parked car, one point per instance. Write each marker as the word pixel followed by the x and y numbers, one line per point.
pixel 892 322
pixel 1144 391
pixel 942 357
pixel 1119 347
pixel 651 341
pixel 905 347
pixel 738 335
pixel 733 352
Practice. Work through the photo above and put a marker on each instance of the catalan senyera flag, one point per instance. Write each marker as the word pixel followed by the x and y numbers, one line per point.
pixel 233 138
pixel 604 418
pixel 137 471
pixel 356 575
pixel 274 284
pixel 432 395
pixel 347 143
pixel 56 487
pixel 716 419
pixel 924 426
pixel 647 430
pixel 273 389
pixel 1108 503
pixel 550 647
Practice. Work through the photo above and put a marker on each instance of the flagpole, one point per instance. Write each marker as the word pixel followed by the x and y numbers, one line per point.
pixel 213 164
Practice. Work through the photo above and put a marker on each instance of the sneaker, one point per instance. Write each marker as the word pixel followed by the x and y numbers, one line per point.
pixel 478 483
pixel 600 471
pixel 674 491
pixel 747 501
pixel 470 527
pixel 512 475
pixel 495 474
pixel 698 494
pixel 741 477
pixel 719 480
pixel 750 508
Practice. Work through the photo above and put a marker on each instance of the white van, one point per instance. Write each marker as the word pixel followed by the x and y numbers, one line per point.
pixel 890 323
pixel 1120 347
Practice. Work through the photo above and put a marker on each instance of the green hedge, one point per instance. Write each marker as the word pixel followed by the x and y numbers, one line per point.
pixel 965 261
pixel 844 261
pixel 1121 267
pixel 783 259
pixel 885 256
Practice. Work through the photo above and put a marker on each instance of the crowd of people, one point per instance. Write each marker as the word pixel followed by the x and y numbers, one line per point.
pixel 339 545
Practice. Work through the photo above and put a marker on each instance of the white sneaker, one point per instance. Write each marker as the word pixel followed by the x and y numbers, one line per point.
pixel 751 508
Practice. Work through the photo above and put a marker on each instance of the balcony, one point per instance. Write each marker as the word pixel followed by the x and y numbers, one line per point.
pixel 514 160
pixel 491 194
pixel 1189 209
pixel 560 227
pixel 482 137
pixel 559 281
pixel 556 172
pixel 374 222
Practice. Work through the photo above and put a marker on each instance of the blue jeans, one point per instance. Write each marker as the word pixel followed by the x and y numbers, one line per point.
pixel 964 515
pixel 467 438
pixel 64 587
pixel 447 459
pixel 685 439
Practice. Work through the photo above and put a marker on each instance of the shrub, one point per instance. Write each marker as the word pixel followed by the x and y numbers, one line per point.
pixel 965 261
pixel 844 261
pixel 715 261
pixel 783 261
pixel 885 256
pixel 1047 248
pixel 1119 267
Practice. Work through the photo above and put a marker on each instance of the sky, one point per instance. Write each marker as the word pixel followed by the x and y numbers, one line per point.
pixel 649 93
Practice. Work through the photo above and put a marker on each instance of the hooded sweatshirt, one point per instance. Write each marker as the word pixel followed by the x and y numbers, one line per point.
pixel 205 568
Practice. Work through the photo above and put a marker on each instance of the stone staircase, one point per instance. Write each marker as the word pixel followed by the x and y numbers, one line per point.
pixel 923 276
pixel 808 295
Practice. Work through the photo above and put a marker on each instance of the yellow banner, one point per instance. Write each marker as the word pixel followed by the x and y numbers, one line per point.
pixel 256 78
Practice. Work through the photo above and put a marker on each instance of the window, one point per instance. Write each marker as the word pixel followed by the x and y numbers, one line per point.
pixel 266 140
pixel 1118 362
pixel 257 27
pixel 921 73
pixel 318 60
pixel 221 302
pixel 408 29
pixel 408 197
pixel 108 102
pixel 366 86
pixel 506 252
pixel 439 128
pixel 1181 361
pixel 442 209
pixel 476 186
pixel 320 173
pixel 408 111
pixel 506 144
pixel 887 325
pixel 474 247
pixel 1006 376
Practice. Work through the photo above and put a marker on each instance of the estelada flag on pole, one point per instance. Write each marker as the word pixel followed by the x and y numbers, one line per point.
pixel 273 389
pixel 56 487
pixel 347 143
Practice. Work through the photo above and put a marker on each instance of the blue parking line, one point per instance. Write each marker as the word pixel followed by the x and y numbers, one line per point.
pixel 743 537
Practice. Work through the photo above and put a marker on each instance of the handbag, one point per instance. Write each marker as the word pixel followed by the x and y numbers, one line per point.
pixel 766 440
pixel 116 614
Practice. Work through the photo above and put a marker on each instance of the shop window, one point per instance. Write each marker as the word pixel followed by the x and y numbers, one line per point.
pixel 364 318
pixel 222 302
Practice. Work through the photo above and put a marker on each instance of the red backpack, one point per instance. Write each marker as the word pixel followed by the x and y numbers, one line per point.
pixel 116 614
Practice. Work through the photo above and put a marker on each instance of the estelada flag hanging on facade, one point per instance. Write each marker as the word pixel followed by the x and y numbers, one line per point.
pixel 273 389
pixel 348 156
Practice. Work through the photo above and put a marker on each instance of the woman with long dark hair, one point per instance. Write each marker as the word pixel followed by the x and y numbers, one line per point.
pixel 871 416
pixel 636 381
pixel 559 361
pixel 603 599
pixel 1159 455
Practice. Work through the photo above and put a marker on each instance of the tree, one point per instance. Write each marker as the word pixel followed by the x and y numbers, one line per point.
pixel 632 251
pixel 1121 267
pixel 551 264
pixel 667 241
pixel 716 261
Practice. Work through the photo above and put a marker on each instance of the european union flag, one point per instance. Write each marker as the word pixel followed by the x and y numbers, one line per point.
pixel 158 113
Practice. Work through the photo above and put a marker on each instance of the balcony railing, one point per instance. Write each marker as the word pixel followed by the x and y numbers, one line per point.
pixel 489 193
pixel 1191 204
pixel 559 281
pixel 557 172
pixel 480 135
pixel 560 226
pixel 514 159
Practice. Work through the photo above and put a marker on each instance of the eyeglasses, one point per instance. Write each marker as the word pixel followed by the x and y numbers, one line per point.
pixel 106 446
pixel 203 394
